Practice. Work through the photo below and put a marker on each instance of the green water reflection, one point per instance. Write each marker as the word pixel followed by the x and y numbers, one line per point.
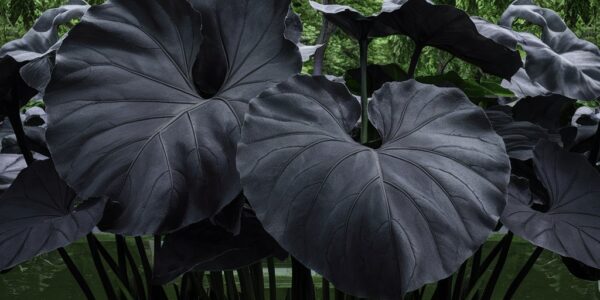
pixel 47 278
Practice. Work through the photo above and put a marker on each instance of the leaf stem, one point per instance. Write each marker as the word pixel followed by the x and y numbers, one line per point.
pixel 364 97
pixel 302 284
pixel 85 288
pixel 489 289
pixel 325 289
pixel 139 243
pixel 272 280
pixel 108 288
pixel 523 273
pixel 593 159
pixel 15 121
pixel 414 60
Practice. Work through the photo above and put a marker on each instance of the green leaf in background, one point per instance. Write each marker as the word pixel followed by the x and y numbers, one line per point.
pixel 472 88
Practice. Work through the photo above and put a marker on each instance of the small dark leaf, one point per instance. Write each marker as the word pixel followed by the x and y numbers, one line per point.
pixel 520 138
pixel 207 247
pixel 40 213
pixel 147 100
pixel 293 32
pixel 388 220
pixel 441 26
pixel 551 112
pixel 351 21
pixel 39 44
pixel 569 227
pixel 10 166
pixel 450 29
pixel 580 270
pixel 377 75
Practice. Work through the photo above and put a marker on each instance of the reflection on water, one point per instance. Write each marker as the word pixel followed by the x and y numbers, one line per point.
pixel 46 277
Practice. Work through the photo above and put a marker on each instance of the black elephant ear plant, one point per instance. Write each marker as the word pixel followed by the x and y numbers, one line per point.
pixel 187 123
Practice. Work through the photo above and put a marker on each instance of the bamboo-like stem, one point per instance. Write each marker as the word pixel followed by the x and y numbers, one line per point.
pixel 512 289
pixel 108 288
pixel 595 147
pixel 272 279
pixel 85 288
pixel 489 289
pixel 15 121
pixel 364 97
pixel 414 60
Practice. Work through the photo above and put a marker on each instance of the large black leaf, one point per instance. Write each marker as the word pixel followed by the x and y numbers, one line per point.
pixel 40 213
pixel 376 222
pixel 34 49
pixel 559 62
pixel 129 113
pixel 569 225
pixel 207 247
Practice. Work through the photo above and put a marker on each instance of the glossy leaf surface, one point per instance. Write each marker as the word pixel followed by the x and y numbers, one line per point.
pixel 390 219
pixel 147 99
pixel 569 226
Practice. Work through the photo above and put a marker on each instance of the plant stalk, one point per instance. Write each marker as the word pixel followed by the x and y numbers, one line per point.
pixel 512 289
pixel 272 279
pixel 458 284
pixel 108 288
pixel 325 288
pixel 489 289
pixel 364 97
pixel 139 243
pixel 259 282
pixel 232 293
pixel 593 159
pixel 85 288
pixel 157 291
pixel 15 121
pixel 302 284
pixel 217 290
pixel 414 60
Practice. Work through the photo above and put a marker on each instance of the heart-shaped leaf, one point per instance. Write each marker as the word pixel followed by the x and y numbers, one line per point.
pixel 147 100
pixel 569 225
pixel 207 247
pixel 385 221
pixel 40 213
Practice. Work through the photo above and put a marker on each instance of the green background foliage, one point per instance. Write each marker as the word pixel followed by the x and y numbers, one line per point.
pixel 16 16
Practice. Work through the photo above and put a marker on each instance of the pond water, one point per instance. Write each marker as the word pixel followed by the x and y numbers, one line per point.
pixel 46 277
